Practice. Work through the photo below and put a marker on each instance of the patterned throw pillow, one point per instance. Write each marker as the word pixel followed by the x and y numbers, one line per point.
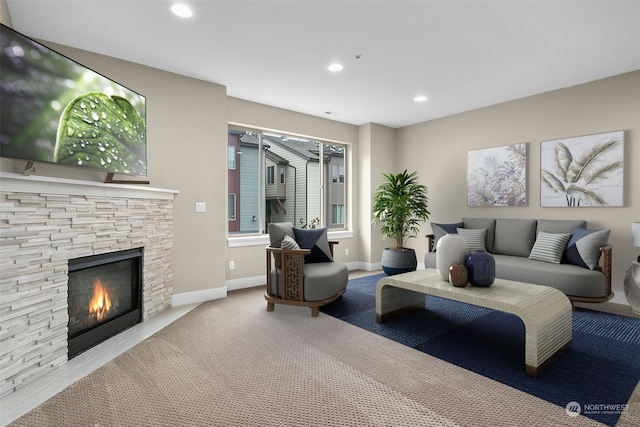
pixel 289 243
pixel 440 230
pixel 583 248
pixel 475 238
pixel 549 247
pixel 317 241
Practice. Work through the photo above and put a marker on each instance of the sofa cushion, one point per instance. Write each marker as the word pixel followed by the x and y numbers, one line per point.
pixel 475 238
pixel 559 225
pixel 583 248
pixel 549 247
pixel 439 230
pixel 514 236
pixel 317 241
pixel 488 223
pixel 322 280
pixel 277 231
pixel 568 278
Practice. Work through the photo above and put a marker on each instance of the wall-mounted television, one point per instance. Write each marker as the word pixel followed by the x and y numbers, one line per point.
pixel 55 110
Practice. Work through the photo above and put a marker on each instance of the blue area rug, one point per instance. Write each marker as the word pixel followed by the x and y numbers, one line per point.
pixel 599 372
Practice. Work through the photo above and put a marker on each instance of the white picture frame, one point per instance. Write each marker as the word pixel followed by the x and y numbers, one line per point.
pixel 497 176
pixel 583 171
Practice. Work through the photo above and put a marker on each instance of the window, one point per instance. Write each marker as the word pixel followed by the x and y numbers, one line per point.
pixel 270 175
pixel 231 207
pixel 232 157
pixel 337 173
pixel 284 178
pixel 337 214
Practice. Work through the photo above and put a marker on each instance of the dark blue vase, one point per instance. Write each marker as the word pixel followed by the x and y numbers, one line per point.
pixel 482 268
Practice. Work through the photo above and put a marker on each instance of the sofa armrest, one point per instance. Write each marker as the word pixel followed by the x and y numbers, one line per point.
pixel 606 262
pixel 430 238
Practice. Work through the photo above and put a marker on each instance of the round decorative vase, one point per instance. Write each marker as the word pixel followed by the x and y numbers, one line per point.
pixel 482 268
pixel 632 286
pixel 397 262
pixel 451 249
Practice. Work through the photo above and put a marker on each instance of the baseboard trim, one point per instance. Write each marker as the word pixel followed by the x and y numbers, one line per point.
pixel 198 296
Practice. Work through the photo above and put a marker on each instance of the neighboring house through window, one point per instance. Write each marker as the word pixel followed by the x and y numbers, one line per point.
pixel 301 179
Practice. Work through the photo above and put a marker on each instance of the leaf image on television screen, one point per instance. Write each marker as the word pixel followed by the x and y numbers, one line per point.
pixel 102 132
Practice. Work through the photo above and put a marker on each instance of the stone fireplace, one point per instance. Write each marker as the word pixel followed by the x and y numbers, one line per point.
pixel 46 223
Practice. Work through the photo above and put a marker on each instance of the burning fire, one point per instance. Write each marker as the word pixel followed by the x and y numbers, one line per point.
pixel 100 304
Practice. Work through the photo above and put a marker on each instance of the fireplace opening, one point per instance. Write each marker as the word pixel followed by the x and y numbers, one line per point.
pixel 104 297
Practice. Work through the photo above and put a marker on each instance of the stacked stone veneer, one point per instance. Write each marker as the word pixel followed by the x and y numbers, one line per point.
pixel 39 234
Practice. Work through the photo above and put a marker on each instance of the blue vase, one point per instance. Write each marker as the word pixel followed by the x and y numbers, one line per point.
pixel 482 268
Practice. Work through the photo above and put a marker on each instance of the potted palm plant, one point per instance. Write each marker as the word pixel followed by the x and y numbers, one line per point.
pixel 400 204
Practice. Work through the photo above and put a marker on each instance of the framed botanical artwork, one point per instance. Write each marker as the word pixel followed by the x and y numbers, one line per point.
pixel 582 171
pixel 497 176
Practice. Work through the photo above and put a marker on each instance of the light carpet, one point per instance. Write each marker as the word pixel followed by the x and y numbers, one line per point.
pixel 231 363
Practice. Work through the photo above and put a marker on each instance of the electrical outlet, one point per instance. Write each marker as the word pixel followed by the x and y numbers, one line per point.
pixel 346 251
pixel 201 207
pixel 232 265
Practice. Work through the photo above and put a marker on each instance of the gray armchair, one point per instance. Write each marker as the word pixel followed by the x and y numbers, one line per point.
pixel 300 268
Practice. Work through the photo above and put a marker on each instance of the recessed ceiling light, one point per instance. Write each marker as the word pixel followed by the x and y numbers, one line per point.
pixel 335 67
pixel 182 10
pixel 420 98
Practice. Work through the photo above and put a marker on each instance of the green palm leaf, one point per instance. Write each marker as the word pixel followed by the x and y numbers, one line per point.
pixel 562 160
pixel 400 204
pixel 102 132
pixel 603 172
pixel 581 165
pixel 585 194
pixel 552 182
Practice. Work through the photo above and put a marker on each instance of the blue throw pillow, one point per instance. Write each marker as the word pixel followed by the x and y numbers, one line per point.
pixel 439 230
pixel 583 248
pixel 317 241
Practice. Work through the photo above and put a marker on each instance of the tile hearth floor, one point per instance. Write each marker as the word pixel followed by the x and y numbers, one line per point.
pixel 29 397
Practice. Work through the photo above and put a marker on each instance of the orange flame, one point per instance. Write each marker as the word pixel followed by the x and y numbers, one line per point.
pixel 100 304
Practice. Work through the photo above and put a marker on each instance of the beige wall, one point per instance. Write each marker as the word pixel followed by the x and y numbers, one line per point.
pixel 438 151
pixel 187 132
pixel 377 156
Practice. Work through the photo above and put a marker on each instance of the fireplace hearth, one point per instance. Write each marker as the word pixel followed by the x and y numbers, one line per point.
pixel 104 297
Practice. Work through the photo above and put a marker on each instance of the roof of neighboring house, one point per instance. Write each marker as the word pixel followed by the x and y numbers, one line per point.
pixel 305 149
pixel 275 158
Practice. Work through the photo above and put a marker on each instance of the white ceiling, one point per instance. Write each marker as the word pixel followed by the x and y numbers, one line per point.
pixel 460 54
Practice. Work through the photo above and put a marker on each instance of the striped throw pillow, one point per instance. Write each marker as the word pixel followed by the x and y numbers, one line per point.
pixel 289 243
pixel 549 247
pixel 475 238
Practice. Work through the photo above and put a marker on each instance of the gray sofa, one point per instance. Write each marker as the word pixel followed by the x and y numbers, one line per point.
pixel 511 242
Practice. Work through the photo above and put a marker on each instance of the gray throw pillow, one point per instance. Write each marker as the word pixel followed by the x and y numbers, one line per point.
pixel 277 231
pixel 475 238
pixel 583 248
pixel 440 230
pixel 549 247
pixel 289 243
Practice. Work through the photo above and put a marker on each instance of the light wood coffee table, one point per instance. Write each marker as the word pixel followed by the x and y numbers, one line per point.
pixel 545 311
